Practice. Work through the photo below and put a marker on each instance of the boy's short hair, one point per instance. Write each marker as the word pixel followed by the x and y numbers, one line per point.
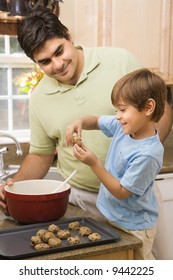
pixel 137 87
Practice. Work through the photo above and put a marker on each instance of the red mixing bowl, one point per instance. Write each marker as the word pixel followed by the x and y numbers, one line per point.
pixel 33 201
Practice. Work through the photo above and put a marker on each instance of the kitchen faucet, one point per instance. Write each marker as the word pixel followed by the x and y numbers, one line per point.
pixel 4 150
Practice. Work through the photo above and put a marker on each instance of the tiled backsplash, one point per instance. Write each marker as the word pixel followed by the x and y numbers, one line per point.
pixel 11 158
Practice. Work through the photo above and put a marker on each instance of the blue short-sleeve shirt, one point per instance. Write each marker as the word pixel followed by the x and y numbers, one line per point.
pixel 135 163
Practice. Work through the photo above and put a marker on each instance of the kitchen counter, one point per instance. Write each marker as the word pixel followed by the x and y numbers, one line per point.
pixel 121 250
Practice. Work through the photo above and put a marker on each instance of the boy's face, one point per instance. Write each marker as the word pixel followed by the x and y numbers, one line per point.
pixel 134 122
pixel 58 58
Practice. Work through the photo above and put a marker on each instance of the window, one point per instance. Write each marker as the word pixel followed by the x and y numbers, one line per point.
pixel 13 101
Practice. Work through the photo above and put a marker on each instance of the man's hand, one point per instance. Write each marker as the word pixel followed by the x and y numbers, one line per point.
pixel 3 206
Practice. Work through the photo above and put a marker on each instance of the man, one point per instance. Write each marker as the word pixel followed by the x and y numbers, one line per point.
pixel 78 81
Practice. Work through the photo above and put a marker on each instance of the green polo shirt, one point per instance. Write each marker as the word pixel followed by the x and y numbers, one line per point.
pixel 54 105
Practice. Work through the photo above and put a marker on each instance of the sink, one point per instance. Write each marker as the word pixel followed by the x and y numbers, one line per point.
pixel 52 174
pixel 11 170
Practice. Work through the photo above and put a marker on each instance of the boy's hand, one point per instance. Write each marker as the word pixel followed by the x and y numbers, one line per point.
pixel 74 133
pixel 84 155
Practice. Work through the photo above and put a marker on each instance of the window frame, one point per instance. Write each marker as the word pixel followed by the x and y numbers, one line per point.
pixel 10 61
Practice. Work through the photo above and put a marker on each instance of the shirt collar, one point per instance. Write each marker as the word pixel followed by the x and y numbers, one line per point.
pixel 91 61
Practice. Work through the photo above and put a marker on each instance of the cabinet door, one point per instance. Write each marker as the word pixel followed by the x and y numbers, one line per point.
pixel 143 27
pixel 84 19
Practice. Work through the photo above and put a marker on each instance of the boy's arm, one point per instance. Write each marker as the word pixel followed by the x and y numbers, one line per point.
pixel 110 182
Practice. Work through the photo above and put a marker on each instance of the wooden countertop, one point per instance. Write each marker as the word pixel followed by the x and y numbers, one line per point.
pixel 127 242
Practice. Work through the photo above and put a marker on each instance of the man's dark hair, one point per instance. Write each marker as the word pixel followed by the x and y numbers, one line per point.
pixel 38 27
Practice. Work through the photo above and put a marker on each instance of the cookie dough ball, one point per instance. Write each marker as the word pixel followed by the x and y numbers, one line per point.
pixel 36 240
pixel 63 234
pixel 54 242
pixel 41 246
pixel 72 240
pixel 41 232
pixel 85 231
pixel 47 235
pixel 77 140
pixel 53 228
pixel 95 236
pixel 74 225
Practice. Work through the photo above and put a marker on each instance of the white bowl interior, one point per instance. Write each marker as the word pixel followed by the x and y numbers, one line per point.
pixel 36 187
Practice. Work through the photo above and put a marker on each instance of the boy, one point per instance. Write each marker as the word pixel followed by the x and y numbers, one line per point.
pixel 135 156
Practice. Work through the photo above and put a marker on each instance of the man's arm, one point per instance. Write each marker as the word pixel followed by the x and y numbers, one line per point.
pixel 34 166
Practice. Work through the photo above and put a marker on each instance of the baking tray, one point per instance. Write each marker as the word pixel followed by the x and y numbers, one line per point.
pixel 15 243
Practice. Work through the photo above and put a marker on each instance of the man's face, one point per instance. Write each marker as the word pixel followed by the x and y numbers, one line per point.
pixel 58 58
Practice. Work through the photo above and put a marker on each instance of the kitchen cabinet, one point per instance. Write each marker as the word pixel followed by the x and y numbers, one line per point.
pixel 143 27
pixel 163 244
pixel 9 25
